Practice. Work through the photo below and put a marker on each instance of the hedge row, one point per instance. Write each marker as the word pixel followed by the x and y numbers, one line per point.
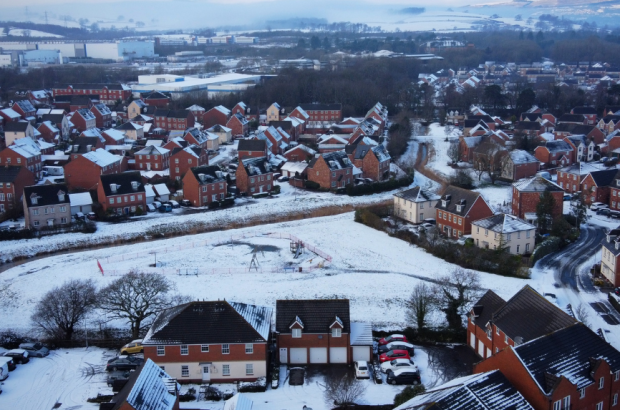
pixel 389 185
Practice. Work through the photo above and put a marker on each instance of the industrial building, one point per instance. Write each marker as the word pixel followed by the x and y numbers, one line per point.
pixel 178 86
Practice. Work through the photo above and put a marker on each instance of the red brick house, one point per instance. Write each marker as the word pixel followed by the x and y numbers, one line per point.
pixel 170 120
pixel 494 324
pixel 82 145
pixel 571 177
pixel 194 136
pixel 60 121
pixel 279 144
pixel 374 161
pixel 323 112
pixel 49 132
pixel 254 176
pixel 9 115
pixel 108 93
pixel 152 158
pixel 156 99
pixel 216 115
pixel 468 146
pixel 596 186
pixel 13 180
pixel 121 193
pixel 85 171
pixel 148 387
pixel 113 137
pixel 182 159
pixel 103 115
pixel 204 184
pixel 331 170
pixel 571 368
pixel 252 149
pixel 26 155
pixel 240 108
pixel 555 154
pixel 588 112
pixel 519 164
pixel 25 109
pixel 299 153
pixel 300 114
pixel 83 119
pixel 526 195
pixel 238 125
pixel 211 342
pixel 313 331
pixel 456 210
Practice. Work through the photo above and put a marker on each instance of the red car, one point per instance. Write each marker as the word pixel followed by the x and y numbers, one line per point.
pixel 394 354
pixel 393 338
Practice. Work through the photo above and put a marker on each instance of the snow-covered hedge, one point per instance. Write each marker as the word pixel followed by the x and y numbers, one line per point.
pixel 260 385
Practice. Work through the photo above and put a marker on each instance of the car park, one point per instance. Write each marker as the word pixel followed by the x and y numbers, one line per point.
pixel 133 347
pixel 361 369
pixel 394 354
pixel 9 362
pixel 118 375
pixel 35 349
pixel 123 363
pixel 393 338
pixel 165 208
pixel 397 364
pixel 397 345
pixel 174 204
pixel 403 376
pixel 19 356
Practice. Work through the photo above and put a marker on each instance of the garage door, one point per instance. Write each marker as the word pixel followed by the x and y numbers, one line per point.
pixel 337 354
pixel 318 355
pixel 299 355
pixel 361 353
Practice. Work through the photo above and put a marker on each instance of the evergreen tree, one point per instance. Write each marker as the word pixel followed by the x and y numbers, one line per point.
pixel 544 211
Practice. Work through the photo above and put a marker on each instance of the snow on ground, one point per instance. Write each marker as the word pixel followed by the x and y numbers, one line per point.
pixel 67 376
pixel 437 137
pixel 376 272
pixel 31 33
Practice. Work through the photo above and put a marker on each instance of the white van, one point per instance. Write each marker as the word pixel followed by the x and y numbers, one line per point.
pixel 4 370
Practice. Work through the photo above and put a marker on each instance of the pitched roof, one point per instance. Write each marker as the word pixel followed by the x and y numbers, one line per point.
pixel 251 145
pixel 130 126
pixel 321 107
pixel 584 110
pixel 457 196
pixel 482 391
pixel 256 166
pixel 80 199
pixel 16 126
pixel 605 177
pixel 211 174
pixel 9 173
pixel 576 118
pixel 46 194
pixel 155 95
pixel 102 157
pixel 418 194
pixel 537 184
pixel 83 144
pixel 211 322
pixel 316 314
pixel 152 150
pixel 504 223
pixel 25 105
pixel 85 113
pixel 519 156
pixel 55 118
pixel 335 160
pixel 570 352
pixel 11 113
pixel 123 182
pixel 484 308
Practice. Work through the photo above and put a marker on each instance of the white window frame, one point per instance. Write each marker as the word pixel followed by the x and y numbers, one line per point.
pixel 225 370
pixel 225 348
pixel 249 348
pixel 601 383
pixel 249 369
pixel 184 348
pixel 184 371
pixel 336 332
pixel 161 350
pixel 296 333
pixel 204 348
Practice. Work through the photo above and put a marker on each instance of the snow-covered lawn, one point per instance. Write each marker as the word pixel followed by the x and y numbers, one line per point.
pixel 436 136
pixel 67 376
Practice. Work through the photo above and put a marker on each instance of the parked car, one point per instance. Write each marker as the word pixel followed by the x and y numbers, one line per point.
pixel 118 375
pixel 165 208
pixel 403 376
pixel 397 345
pixel 150 208
pixel 394 354
pixel 392 338
pixel 174 204
pixel 4 371
pixel 35 349
pixel 614 214
pixel 156 204
pixel 566 198
pixel 91 216
pixel 603 211
pixel 361 369
pixel 186 203
pixel 397 364
pixel 123 363
pixel 9 362
pixel 20 356
pixel 283 179
pixel 597 205
pixel 135 346
pixel 431 221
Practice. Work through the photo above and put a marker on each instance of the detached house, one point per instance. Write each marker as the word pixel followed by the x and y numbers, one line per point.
pixel 131 130
pixel 555 154
pixel 332 170
pixel 526 196
pixel 610 258
pixel 299 153
pixel 15 130
pixel 519 164
pixel 457 209
pixel 504 231
pixel 313 331
pixel 170 120
pixel 254 176
pixel 216 116
pixel 49 132
pixel 588 112
pixel 121 193
pixel 85 171
pixel 182 159
pixel 252 149
pixel 152 158
pixel 103 115
pixel 46 206
pixel 415 204
pixel 23 153
pixel 374 161
pixel 211 342
pixel 224 134
pixel 83 119
pixel 204 184
pixel 570 368
pixel 238 125
pixel 60 121
pixel 25 109
pixel 596 186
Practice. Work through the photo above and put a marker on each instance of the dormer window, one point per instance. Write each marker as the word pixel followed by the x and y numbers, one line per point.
pixel 459 208
pixel 444 203
pixel 296 333
pixel 61 196
pixel 34 200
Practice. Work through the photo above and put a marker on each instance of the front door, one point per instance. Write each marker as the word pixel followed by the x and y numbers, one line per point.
pixel 148 166
pixel 260 188
pixel 206 374
pixel 283 355
pixel 127 211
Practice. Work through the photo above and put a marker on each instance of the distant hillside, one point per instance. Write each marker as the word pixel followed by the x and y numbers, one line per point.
pixel 413 10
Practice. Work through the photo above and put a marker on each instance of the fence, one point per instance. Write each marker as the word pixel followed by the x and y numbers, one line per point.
pixel 213 271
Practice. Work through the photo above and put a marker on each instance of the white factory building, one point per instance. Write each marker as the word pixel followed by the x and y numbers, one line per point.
pixel 122 50
pixel 178 86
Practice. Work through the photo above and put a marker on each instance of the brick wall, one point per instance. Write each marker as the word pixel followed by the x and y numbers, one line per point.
pixel 182 161
pixel 152 162
pixel 524 202
pixel 322 175
pixel 84 174
pixel 307 340
pixel 570 182
pixel 526 170
pixel 236 127
pixel 214 117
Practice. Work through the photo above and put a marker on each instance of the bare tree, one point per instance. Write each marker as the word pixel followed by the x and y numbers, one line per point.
pixel 63 308
pixel 481 164
pixel 455 293
pixel 137 297
pixel 342 389
pixel 420 303
pixel 455 152
pixel 581 314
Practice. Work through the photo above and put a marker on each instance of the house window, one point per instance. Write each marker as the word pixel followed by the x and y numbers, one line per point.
pixel 63 209
pixel 518 248
pixel 497 330
pixel 336 332
pixel 36 223
pixel 35 212
pixel 251 180
pixel 225 348
pixel 527 234
pixel 249 369
pixel 599 406
pixel 184 371
pixel 226 370
pixel 132 198
pixel 296 333
pixel 161 350
pixel 582 393
pixel 184 350
pixel 111 201
pixel 63 220
pixel 204 348
pixel 506 338
pixel 601 383
pixel 614 401
pixel 249 348
pixel 566 402
pixel 557 405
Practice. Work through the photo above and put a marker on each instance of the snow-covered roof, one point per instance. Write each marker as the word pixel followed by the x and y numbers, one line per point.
pixel 302 147
pixel 80 199
pixel 418 194
pixel 148 190
pixel 536 184
pixel 522 157
pixel 51 126
pixel 161 189
pixel 293 167
pixel 504 223
pixel 152 150
pixel 156 143
pixel 239 401
pixel 361 334
pixel 9 112
pixel 259 317
pixel 116 135
pixel 101 157
pixel 222 109
pixel 26 147
pixel 154 389
pixel 195 107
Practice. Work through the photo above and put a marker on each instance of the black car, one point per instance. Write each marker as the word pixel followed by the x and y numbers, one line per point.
pixel 403 376
pixel 186 202
pixel 123 363
pixel 20 356
pixel 396 346
pixel 603 211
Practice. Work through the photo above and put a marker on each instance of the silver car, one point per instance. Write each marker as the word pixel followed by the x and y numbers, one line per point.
pixel 35 349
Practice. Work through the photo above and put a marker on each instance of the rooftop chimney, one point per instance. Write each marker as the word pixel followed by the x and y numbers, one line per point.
pixel 134 185
pixel 113 187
